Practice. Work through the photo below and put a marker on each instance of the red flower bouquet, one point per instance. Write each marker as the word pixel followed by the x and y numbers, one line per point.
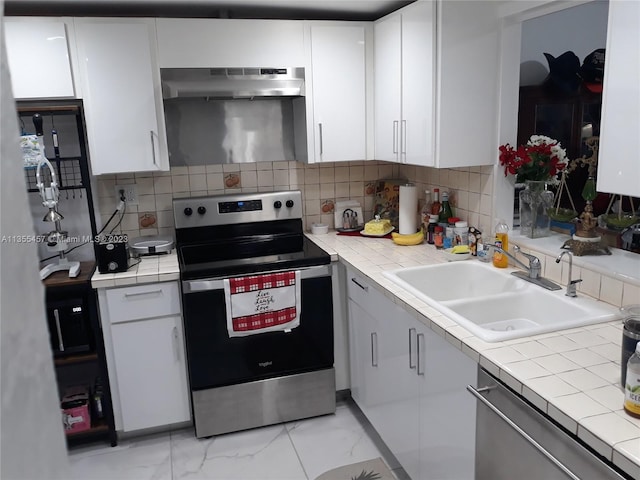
pixel 542 158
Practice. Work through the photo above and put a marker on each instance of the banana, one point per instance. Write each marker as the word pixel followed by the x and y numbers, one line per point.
pixel 412 239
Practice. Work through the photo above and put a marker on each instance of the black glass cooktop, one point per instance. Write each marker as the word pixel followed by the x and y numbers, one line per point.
pixel 249 255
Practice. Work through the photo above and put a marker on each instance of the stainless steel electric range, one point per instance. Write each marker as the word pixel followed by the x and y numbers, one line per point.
pixel 266 377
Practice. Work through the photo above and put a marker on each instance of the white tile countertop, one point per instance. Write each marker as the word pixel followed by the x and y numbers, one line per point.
pixel 150 269
pixel 572 375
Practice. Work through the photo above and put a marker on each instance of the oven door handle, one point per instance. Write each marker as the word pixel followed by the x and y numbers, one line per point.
pixel 193 286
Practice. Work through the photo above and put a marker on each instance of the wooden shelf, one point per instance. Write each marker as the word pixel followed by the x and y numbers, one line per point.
pixel 74 359
pixel 99 427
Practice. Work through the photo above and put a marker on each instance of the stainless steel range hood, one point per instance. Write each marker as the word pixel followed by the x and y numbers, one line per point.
pixel 232 82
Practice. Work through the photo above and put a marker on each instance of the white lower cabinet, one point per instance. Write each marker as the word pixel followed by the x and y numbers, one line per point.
pixel 411 385
pixel 144 346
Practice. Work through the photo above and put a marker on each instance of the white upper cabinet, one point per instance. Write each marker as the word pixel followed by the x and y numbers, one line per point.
pixel 202 43
pixel 122 95
pixel 618 162
pixel 404 71
pixel 467 83
pixel 338 101
pixel 387 87
pixel 39 57
pixel 436 76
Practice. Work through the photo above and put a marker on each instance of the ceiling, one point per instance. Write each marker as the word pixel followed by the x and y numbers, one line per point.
pixel 364 10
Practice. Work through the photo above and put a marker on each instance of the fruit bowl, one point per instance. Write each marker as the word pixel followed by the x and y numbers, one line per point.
pixel 616 222
pixel 562 215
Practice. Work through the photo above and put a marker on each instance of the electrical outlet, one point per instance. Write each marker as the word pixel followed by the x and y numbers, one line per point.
pixel 130 193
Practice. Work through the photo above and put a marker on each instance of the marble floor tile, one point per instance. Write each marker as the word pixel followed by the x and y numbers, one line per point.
pixel 299 450
pixel 142 458
pixel 330 441
pixel 259 454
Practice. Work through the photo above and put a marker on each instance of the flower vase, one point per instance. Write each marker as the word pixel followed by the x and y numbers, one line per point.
pixel 535 201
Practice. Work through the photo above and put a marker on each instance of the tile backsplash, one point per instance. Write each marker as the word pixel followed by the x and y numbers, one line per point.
pixel 321 184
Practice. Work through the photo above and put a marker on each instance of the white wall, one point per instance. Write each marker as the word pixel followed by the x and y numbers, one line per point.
pixel 580 29
pixel 33 445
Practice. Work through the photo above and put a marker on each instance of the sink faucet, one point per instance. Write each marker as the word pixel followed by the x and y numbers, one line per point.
pixel 532 271
pixel 571 284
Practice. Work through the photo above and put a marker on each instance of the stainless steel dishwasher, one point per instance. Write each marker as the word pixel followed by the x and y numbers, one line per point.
pixel 516 441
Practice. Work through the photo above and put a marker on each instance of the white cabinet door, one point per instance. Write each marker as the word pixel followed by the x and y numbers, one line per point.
pixel 618 164
pixel 447 412
pixel 397 419
pixel 404 85
pixel 38 57
pixel 429 110
pixel 387 64
pixel 204 43
pixel 411 385
pixel 383 365
pixel 418 84
pixel 150 368
pixel 363 344
pixel 122 95
pixel 467 87
pixel 339 92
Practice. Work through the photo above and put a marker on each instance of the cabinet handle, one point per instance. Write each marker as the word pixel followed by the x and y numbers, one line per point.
pixel 365 288
pixel 321 146
pixel 522 433
pixel 137 294
pixel 395 137
pixel 374 349
pixel 176 344
pixel 56 315
pixel 411 330
pixel 153 149
pixel 403 141
pixel 419 337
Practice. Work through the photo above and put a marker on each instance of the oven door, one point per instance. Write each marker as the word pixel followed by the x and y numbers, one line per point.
pixel 216 360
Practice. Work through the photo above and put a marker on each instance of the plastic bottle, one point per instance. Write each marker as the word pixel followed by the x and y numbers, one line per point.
pixel 445 210
pixel 425 213
pixel 500 260
pixel 435 206
pixel 632 385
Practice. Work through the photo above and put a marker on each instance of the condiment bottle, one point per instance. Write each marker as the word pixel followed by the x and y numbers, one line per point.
pixel 426 211
pixel 461 233
pixel 632 385
pixel 435 206
pixel 500 260
pixel 445 208
pixel 438 237
pixel 431 229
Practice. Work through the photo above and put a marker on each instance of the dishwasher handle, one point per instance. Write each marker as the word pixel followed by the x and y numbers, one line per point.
pixel 522 433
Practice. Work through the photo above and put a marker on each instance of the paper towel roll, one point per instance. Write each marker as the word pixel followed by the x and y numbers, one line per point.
pixel 408 214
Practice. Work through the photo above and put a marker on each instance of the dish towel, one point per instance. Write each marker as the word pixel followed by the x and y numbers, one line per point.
pixel 262 303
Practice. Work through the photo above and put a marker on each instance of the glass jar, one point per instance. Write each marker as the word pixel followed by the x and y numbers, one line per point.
pixel 630 336
pixel 438 237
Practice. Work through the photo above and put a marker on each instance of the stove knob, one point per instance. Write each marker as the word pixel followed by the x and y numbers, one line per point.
pixel 202 210
pixel 289 203
pixel 188 211
pixel 277 204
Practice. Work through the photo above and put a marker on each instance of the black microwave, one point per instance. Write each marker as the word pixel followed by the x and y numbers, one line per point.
pixel 69 328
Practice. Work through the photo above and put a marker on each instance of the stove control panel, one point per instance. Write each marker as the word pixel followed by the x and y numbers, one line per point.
pixel 237 208
pixel 240 206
